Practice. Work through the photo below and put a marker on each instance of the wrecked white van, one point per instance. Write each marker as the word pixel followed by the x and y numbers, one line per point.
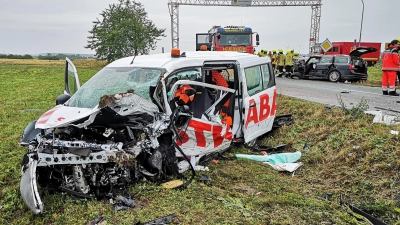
pixel 125 123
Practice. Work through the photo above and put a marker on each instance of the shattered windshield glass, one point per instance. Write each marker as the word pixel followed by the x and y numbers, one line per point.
pixel 114 80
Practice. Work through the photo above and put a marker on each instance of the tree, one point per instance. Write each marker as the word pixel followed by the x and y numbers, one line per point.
pixel 124 31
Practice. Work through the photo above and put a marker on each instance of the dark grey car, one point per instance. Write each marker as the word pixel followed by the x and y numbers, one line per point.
pixel 335 67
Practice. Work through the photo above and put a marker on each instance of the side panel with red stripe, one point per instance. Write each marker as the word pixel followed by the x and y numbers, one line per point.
pixel 202 137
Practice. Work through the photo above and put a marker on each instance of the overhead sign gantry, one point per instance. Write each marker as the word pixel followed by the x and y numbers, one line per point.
pixel 315 13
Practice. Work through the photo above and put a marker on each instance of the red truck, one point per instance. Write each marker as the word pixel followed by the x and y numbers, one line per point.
pixel 228 38
pixel 346 47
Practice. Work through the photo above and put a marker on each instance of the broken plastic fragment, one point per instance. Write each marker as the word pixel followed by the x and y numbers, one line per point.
pixel 172 184
pixel 204 178
pixel 380 118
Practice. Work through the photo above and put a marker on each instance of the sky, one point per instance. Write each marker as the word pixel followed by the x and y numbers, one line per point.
pixel 55 26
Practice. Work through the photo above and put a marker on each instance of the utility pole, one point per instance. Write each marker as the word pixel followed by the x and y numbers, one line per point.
pixel 362 18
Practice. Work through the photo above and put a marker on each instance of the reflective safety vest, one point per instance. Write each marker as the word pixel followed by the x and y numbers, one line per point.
pixel 289 59
pixel 390 59
pixel 274 58
pixel 281 59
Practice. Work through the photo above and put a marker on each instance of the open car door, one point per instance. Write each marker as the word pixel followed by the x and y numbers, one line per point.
pixel 71 78
pixel 358 52
pixel 259 101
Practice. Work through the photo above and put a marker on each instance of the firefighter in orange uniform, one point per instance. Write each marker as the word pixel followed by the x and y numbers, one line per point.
pixel 390 65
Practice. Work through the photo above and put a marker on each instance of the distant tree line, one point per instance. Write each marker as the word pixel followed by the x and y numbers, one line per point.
pixel 61 56
pixel 12 56
pixel 44 57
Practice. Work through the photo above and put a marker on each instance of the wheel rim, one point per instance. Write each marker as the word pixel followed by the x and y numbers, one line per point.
pixel 334 76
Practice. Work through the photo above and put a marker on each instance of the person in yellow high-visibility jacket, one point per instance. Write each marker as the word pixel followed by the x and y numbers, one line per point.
pixel 261 53
pixel 289 63
pixel 265 53
pixel 274 59
pixel 296 55
pixel 281 62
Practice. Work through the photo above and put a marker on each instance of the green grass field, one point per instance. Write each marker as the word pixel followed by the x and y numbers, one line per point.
pixel 241 191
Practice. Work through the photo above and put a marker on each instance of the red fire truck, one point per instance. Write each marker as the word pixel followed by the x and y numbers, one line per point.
pixel 229 38
pixel 347 47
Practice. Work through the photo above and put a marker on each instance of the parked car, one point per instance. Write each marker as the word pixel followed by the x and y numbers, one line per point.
pixel 335 67
pixel 127 122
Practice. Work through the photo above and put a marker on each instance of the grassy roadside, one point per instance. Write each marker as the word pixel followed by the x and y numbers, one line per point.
pixel 374 76
pixel 241 191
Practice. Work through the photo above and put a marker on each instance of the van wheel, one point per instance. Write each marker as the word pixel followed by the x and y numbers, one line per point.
pixel 334 76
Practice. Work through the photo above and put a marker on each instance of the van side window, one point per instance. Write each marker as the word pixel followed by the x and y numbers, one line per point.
pixel 253 80
pixel 267 81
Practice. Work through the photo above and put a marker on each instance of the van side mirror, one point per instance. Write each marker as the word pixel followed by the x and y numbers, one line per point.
pixel 257 37
pixel 257 43
pixel 62 99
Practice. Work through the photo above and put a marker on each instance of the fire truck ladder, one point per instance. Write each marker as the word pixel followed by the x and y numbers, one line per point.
pixel 315 13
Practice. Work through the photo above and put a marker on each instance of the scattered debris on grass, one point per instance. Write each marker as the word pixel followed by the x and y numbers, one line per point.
pixel 280 162
pixel 99 220
pixel 381 118
pixel 163 220
pixel 172 184
pixel 367 216
pixel 123 203
pixel 204 178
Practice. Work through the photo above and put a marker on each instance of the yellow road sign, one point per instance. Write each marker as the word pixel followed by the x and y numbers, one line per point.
pixel 326 45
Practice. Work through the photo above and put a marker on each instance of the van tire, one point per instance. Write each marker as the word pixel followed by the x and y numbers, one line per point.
pixel 334 76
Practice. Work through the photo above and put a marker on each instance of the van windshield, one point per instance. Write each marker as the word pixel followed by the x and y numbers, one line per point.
pixel 114 80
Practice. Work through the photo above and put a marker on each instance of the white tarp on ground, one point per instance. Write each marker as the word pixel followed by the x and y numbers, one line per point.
pixel 280 162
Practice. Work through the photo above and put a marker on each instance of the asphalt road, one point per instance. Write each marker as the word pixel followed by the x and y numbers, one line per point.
pixel 326 92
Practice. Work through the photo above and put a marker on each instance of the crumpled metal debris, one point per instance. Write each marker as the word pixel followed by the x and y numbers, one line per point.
pixel 280 121
pixel 160 221
pixel 123 203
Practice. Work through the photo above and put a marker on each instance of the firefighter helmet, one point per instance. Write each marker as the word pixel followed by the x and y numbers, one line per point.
pixel 280 50
pixel 184 95
pixel 273 51
pixel 296 53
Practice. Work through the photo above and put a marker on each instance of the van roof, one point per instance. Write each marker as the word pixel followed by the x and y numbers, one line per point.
pixel 193 58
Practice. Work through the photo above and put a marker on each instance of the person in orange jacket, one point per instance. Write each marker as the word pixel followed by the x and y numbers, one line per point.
pixel 390 65
pixel 219 80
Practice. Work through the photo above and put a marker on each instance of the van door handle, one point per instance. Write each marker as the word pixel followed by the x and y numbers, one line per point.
pixel 252 105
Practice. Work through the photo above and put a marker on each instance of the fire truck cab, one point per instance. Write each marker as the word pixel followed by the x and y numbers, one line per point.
pixel 229 38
